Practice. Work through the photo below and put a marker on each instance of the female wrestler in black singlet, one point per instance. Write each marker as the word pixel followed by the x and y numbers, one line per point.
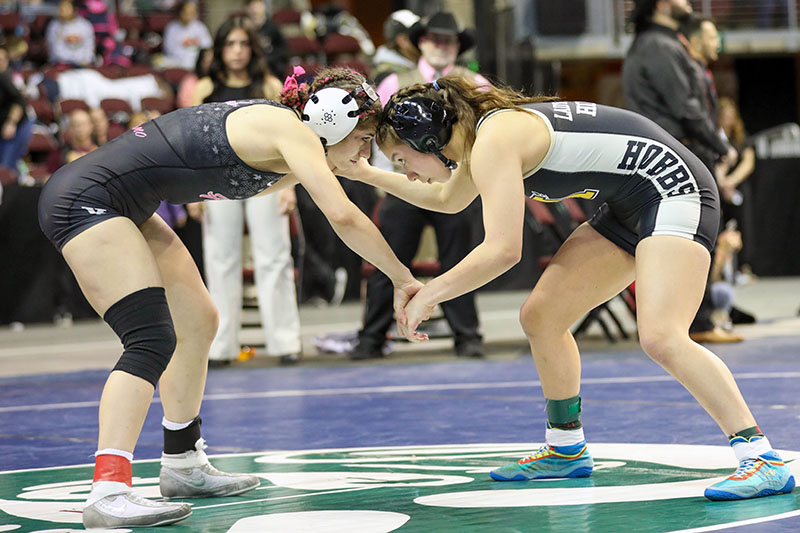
pixel 456 141
pixel 99 212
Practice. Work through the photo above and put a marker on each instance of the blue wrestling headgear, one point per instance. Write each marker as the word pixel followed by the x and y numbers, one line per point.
pixel 424 125
pixel 333 113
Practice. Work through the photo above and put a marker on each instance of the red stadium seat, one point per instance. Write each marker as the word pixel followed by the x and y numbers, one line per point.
pixel 336 43
pixel 43 110
pixel 130 23
pixel 69 105
pixel 42 143
pixel 115 105
pixel 156 22
pixel 173 76
pixel 8 22
pixel 111 72
pixel 303 46
pixel 162 105
pixel 286 16
pixel 140 70
pixel 115 129
pixel 7 176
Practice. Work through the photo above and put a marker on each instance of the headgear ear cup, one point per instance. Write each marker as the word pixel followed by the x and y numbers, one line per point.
pixel 424 125
pixel 332 113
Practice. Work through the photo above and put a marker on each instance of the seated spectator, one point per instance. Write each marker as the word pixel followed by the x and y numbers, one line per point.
pixel 100 125
pixel 15 126
pixel 78 137
pixel 70 38
pixel 109 46
pixel 189 82
pixel 272 40
pixel 185 37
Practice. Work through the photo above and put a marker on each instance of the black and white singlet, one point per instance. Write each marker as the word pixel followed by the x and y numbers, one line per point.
pixel 652 184
pixel 181 157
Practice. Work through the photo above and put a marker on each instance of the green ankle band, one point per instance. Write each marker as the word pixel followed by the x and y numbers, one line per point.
pixel 564 414
pixel 747 433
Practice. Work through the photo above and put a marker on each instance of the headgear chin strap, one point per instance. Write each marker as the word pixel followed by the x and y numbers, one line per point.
pixel 332 113
pixel 424 125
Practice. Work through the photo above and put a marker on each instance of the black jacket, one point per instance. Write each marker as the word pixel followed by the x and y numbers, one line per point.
pixel 660 83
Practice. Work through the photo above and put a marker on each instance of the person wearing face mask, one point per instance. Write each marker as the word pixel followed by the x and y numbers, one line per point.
pixel 99 213
pixel 440 41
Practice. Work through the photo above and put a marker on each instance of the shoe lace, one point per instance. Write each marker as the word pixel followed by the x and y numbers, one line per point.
pixel 543 451
pixel 746 468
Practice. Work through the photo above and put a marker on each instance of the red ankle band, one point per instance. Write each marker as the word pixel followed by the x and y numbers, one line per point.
pixel 112 468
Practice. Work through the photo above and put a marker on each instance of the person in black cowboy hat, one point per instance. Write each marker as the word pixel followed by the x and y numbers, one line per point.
pixel 440 41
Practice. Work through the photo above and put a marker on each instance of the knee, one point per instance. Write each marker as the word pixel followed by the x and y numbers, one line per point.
pixel 533 316
pixel 143 323
pixel 206 320
pixel 660 344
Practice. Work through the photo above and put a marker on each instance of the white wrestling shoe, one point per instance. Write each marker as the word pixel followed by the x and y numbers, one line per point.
pixel 129 510
pixel 190 475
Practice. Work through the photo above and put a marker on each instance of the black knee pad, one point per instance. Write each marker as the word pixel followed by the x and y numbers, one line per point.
pixel 144 325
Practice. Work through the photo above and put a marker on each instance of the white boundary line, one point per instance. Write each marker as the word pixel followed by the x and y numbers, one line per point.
pixel 394 389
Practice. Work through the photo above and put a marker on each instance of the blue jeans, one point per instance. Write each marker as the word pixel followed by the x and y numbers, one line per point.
pixel 12 150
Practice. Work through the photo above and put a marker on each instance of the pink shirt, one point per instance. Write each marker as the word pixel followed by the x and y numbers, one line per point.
pixel 390 85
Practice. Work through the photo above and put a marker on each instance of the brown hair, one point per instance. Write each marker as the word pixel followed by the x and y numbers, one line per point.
pixel 461 97
pixel 737 133
pixel 296 96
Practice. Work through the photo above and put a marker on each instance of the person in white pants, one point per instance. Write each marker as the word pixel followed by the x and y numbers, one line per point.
pixel 268 225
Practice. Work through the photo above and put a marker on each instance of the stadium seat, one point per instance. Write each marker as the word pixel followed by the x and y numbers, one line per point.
pixel 41 143
pixel 173 76
pixel 140 70
pixel 162 105
pixel 68 106
pixel 115 129
pixel 130 24
pixel 336 43
pixel 43 109
pixel 303 46
pixel 115 105
pixel 156 22
pixel 286 16
pixel 9 22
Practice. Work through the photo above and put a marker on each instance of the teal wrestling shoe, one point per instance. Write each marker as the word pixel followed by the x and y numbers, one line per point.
pixel 548 462
pixel 764 475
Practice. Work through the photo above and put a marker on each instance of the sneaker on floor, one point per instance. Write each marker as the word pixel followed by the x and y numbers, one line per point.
pixel 763 476
pixel 548 462
pixel 130 510
pixel 190 475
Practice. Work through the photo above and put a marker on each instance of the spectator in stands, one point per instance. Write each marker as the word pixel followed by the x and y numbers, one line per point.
pixel 731 176
pixel 185 37
pixel 398 53
pixel 100 125
pixel 70 38
pixel 272 40
pixel 16 127
pixel 78 136
pixel 238 72
pixel 661 83
pixel 441 41
pixel 189 82
pixel 109 47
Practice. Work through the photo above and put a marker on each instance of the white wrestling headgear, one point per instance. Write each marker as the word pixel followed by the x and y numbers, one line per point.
pixel 332 113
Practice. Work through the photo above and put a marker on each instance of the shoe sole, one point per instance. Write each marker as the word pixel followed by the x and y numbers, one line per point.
pixel 161 523
pixel 584 471
pixel 719 495
pixel 213 495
